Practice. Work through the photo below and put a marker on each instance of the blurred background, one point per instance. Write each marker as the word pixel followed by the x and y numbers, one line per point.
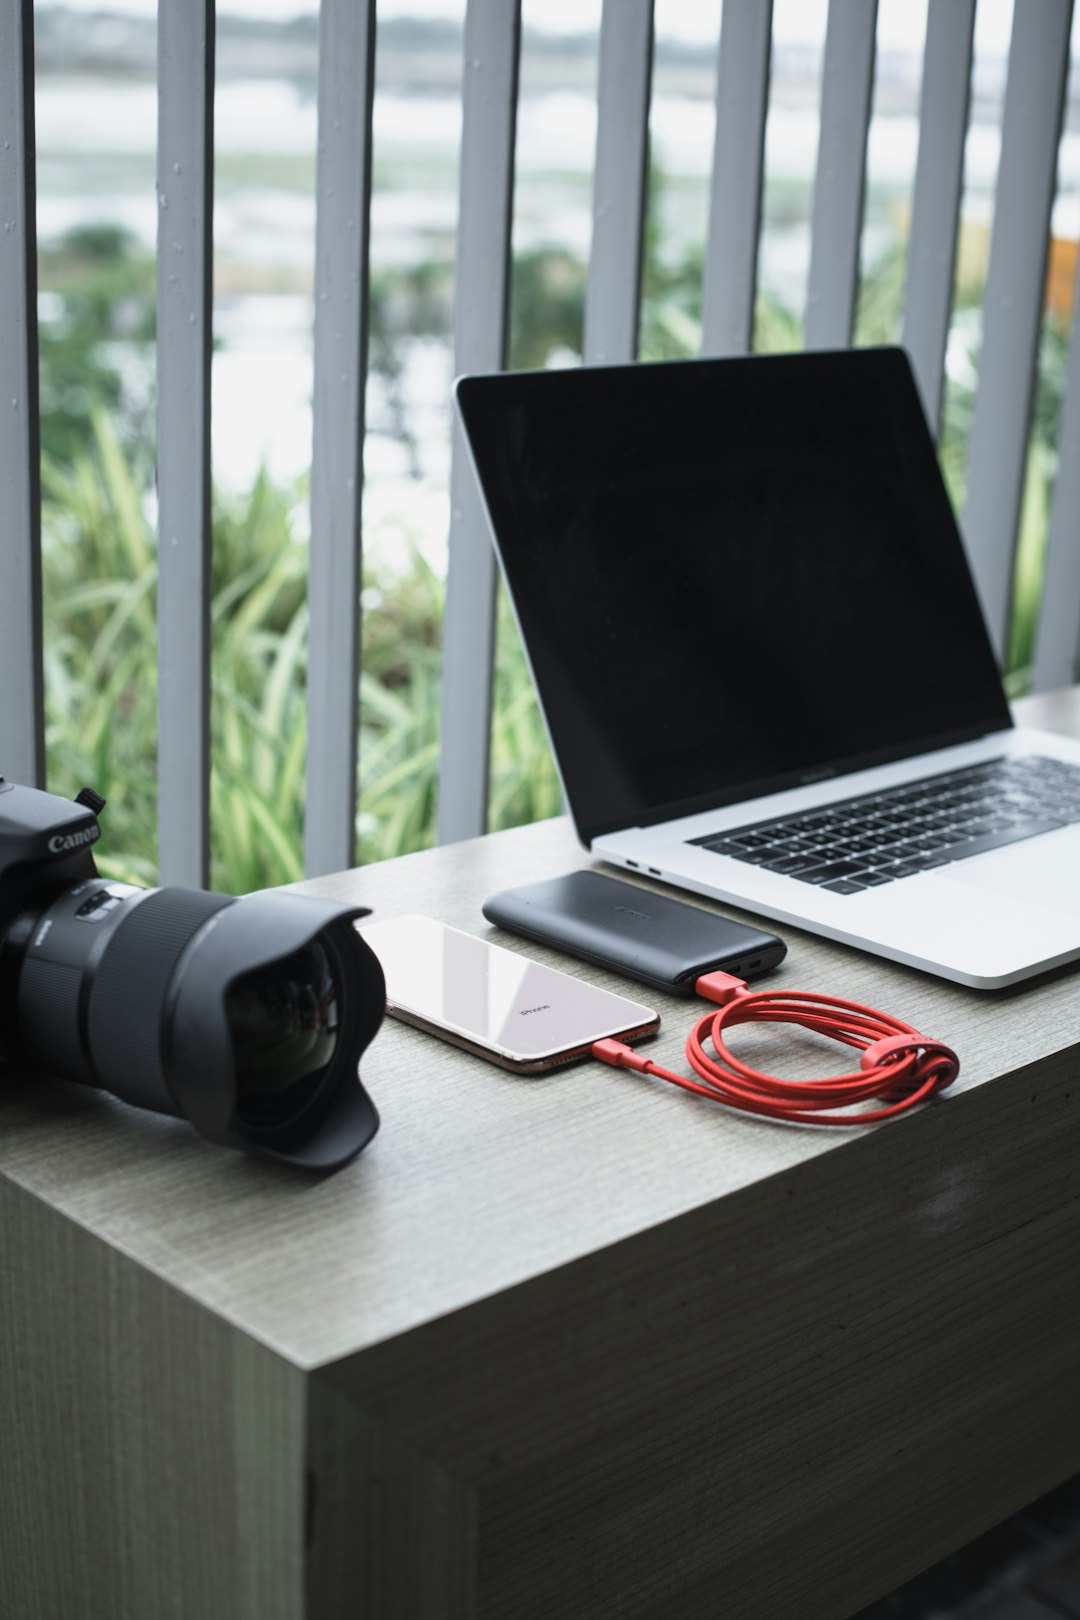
pixel 96 128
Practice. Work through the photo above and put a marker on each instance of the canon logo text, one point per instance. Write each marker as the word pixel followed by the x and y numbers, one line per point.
pixel 60 843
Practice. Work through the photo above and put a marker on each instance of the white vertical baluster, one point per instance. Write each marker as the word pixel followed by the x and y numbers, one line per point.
pixel 731 252
pixel 489 117
pixel 613 292
pixel 1034 100
pixel 185 189
pixel 847 82
pixel 22 725
pixel 343 191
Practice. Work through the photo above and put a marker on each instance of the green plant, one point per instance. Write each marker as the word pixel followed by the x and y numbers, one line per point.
pixel 399 708
pixel 1040 470
pixel 96 336
pixel 100 589
pixel 100 579
pixel 547 306
pixel 524 783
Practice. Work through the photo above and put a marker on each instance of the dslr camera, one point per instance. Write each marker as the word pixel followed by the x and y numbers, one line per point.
pixel 245 1017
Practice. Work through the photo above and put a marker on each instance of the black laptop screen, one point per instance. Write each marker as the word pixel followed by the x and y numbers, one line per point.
pixel 731 576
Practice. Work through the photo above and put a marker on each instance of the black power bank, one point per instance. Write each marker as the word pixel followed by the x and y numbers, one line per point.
pixel 660 941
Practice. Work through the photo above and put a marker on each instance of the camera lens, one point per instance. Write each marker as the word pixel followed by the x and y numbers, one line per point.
pixel 283 1019
pixel 246 1017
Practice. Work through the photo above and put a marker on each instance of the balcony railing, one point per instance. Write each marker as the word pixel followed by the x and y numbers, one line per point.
pixel 1030 133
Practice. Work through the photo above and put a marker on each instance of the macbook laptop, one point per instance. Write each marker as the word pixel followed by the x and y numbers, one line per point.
pixel 761 659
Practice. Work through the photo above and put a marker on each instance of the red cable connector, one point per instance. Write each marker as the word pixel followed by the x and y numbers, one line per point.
pixel 720 987
pixel 897 1064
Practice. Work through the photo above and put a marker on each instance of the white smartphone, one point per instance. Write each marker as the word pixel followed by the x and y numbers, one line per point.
pixel 494 1002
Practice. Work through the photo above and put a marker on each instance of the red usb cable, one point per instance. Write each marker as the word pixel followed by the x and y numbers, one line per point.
pixel 898 1065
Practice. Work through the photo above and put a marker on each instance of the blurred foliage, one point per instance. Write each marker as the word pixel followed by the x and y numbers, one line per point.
pixel 547 307
pixel 96 324
pixel 100 574
pixel 670 324
pixel 101 689
pixel 100 584
pixel 96 330
pixel 406 303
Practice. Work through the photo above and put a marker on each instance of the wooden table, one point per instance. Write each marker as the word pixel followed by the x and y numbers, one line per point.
pixel 559 1348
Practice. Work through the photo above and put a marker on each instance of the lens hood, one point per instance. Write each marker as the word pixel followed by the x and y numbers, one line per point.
pixel 337 1118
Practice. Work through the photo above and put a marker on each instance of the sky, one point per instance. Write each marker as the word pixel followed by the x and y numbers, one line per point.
pixel 901 23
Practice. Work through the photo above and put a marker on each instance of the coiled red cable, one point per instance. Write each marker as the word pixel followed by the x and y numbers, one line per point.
pixel 898 1066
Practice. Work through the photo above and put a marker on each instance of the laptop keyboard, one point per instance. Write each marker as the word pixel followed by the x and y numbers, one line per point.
pixel 861 843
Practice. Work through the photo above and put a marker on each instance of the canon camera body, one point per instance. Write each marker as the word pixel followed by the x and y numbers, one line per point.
pixel 246 1017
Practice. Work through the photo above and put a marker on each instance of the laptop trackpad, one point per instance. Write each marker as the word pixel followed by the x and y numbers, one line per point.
pixel 1044 872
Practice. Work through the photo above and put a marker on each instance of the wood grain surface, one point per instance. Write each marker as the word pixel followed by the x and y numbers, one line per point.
pixel 779 1405
pixel 152 1457
pixel 575 1346
pixel 477 1180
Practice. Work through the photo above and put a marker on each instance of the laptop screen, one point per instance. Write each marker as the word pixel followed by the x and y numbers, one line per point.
pixel 731 576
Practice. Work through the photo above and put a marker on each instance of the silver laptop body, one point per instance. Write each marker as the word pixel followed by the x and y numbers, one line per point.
pixel 755 637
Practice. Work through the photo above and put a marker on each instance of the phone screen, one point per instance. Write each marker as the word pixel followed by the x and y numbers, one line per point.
pixel 494 1001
